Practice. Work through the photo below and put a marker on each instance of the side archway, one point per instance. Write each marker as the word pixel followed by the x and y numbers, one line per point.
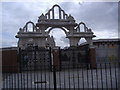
pixel 82 41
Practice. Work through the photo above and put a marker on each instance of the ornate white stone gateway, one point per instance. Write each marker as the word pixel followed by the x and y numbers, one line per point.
pixel 38 36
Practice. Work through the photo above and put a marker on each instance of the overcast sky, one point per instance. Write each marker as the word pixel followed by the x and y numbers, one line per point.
pixel 101 17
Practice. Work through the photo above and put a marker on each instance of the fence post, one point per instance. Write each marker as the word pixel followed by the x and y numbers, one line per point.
pixel 50 58
pixel 35 59
pixel 54 77
pixel 19 60
pixel 73 58
pixel 60 59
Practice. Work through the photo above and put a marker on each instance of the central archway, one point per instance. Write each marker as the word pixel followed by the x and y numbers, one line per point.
pixel 60 28
pixel 59 35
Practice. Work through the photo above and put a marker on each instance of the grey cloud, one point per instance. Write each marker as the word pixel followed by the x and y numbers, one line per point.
pixel 14 16
pixel 97 15
pixel 64 39
pixel 8 42
pixel 66 6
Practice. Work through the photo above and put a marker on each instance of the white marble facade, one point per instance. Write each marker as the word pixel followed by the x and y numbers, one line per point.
pixel 38 36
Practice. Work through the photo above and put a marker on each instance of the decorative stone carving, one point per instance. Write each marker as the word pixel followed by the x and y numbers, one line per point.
pixel 70 18
pixel 42 18
pixel 21 30
pixel 89 30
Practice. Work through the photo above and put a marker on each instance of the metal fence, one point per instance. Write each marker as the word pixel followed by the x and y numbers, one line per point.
pixel 81 76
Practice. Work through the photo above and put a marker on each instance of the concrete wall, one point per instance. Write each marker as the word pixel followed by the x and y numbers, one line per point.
pixel 107 53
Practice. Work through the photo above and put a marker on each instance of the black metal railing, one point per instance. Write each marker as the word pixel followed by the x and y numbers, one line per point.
pixel 80 76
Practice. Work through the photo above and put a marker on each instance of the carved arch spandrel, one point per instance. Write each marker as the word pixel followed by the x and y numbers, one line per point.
pixel 66 32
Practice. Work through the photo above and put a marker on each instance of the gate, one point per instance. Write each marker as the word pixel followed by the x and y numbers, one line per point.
pixel 75 55
pixel 38 72
pixel 32 57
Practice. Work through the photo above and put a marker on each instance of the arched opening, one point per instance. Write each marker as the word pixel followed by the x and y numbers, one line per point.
pixel 30 27
pixel 59 37
pixel 56 13
pixel 82 41
pixel 82 28
pixel 51 15
pixel 62 16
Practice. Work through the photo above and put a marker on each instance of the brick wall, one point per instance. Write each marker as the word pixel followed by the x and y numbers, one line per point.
pixel 9 61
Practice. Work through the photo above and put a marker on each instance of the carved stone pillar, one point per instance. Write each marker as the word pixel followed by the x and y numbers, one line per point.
pixel 73 41
pixel 42 28
pixel 71 29
pixel 42 42
pixel 89 40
